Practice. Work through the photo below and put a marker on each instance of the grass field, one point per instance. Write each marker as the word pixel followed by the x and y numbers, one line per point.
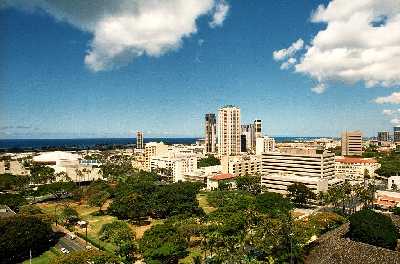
pixel 203 203
pixel 95 221
pixel 85 213
pixel 45 257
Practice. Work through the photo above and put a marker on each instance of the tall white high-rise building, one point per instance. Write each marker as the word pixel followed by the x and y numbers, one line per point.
pixel 229 131
pixel 139 140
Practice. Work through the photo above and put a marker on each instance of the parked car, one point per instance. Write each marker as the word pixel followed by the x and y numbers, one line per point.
pixel 64 250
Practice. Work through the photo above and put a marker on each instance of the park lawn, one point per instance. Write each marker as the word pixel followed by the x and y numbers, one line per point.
pixel 203 203
pixel 95 221
pixel 194 251
pixel 45 257
pixel 85 213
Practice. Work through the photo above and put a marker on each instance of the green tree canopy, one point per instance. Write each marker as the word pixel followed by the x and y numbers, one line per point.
pixel 19 234
pixel 251 184
pixel 373 228
pixel 210 160
pixel 163 244
pixel 14 201
pixel 69 216
pixel 13 182
pixel 300 194
pixel 41 174
pixel 273 204
pixel 121 235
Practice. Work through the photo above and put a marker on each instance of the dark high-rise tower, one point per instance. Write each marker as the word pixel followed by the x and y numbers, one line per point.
pixel 211 133
pixel 396 134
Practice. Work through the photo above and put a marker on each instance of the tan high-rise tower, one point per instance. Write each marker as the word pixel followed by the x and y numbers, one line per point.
pixel 352 143
pixel 229 131
pixel 139 140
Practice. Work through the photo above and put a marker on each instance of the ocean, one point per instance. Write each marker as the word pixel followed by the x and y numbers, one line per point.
pixel 85 143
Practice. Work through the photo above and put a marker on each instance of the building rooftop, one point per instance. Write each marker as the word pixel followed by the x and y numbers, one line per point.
pixel 355 160
pixel 56 156
pixel 223 176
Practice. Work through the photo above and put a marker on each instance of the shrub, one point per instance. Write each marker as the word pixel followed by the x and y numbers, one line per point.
pixel 373 228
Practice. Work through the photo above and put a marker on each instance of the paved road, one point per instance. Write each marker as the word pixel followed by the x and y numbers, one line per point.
pixel 71 245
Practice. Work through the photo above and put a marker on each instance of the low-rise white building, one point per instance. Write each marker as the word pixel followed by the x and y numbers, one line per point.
pixel 279 182
pixel 173 168
pixel 353 168
pixel 241 165
pixel 71 164
pixel 214 181
pixel 265 144
pixel 315 170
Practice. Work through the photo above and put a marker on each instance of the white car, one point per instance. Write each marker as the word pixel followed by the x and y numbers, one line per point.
pixel 72 236
pixel 64 250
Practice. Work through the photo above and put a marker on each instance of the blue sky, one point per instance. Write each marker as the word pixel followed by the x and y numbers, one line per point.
pixel 48 91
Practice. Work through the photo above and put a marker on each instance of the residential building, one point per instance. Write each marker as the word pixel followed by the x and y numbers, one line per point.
pixel 387 199
pixel 317 171
pixel 139 140
pixel 229 131
pixel 243 145
pixel 265 144
pixel 14 167
pixel 210 133
pixel 202 174
pixel 396 134
pixel 257 129
pixel 173 168
pixel 394 183
pixel 247 137
pixel 241 165
pixel 213 182
pixel 383 136
pixel 353 168
pixel 352 143
pixel 152 149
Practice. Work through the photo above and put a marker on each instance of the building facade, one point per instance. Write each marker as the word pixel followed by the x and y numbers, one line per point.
pixel 247 137
pixel 265 144
pixel 257 129
pixel 152 149
pixel 229 131
pixel 210 133
pixel 279 170
pixel 396 134
pixel 383 136
pixel 242 165
pixel 353 169
pixel 139 140
pixel 352 143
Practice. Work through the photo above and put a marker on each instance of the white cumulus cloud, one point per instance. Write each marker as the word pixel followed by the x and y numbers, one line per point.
pixel 394 98
pixel 125 29
pixel 289 52
pixel 388 112
pixel 221 11
pixel 395 121
pixel 319 88
pixel 360 43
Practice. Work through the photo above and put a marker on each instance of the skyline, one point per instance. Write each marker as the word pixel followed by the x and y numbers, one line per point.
pixel 61 79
